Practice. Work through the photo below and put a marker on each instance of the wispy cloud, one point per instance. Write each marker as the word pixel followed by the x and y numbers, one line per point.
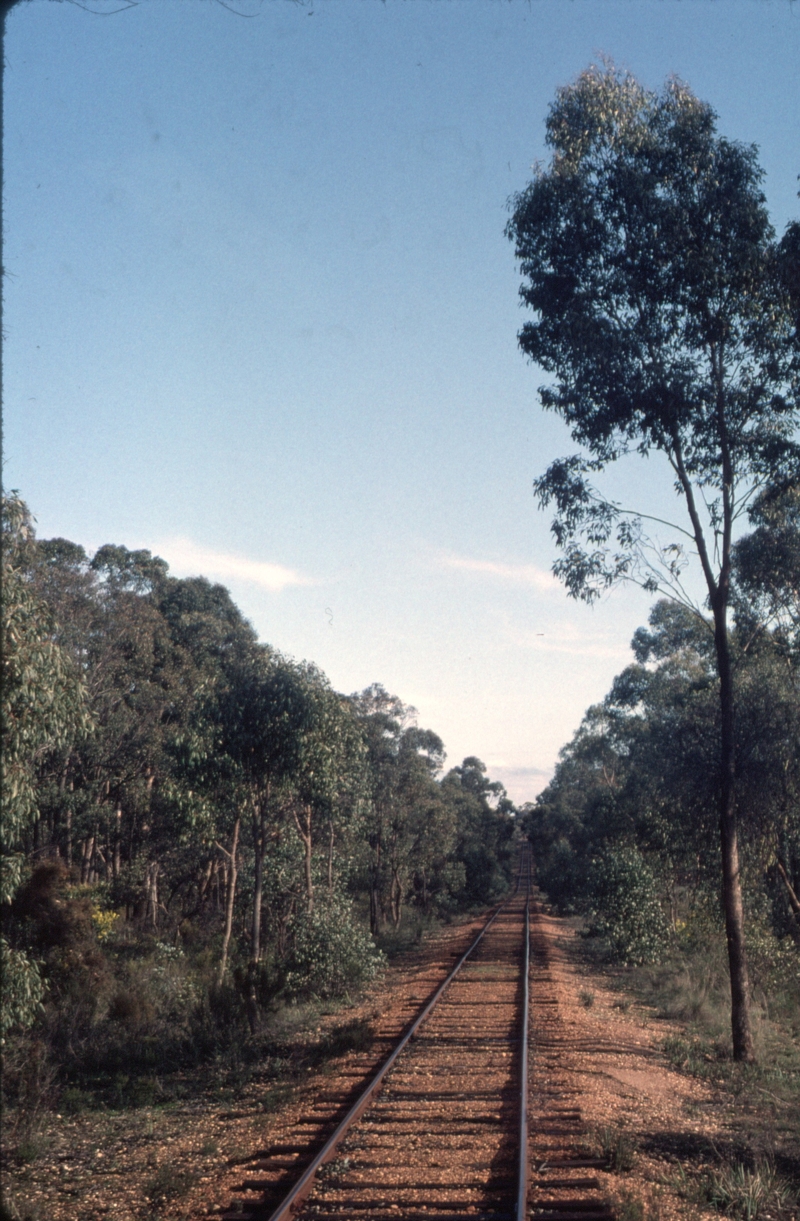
pixel 515 574
pixel 187 558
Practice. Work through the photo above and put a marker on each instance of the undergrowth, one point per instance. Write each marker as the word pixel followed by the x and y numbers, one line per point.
pixel 754 1175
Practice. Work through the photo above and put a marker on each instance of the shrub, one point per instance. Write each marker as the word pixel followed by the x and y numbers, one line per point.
pixel 625 907
pixel 28 1085
pixel 331 951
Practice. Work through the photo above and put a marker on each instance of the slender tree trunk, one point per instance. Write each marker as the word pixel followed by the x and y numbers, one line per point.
pixel 258 881
pixel 116 860
pixel 102 857
pixel 60 814
pixel 87 849
pixel 68 824
pixel 151 885
pixel 281 938
pixel 743 1048
pixel 205 881
pixel 396 900
pixel 307 850
pixel 719 593
pixel 229 900
pixel 259 838
pixel 374 891
pixel 330 857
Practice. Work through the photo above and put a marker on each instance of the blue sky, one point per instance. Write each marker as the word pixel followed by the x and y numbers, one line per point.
pixel 261 317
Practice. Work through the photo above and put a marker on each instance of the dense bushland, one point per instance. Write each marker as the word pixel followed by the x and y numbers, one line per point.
pixel 197 829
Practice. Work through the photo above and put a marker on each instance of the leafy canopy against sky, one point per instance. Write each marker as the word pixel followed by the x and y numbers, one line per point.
pixel 262 318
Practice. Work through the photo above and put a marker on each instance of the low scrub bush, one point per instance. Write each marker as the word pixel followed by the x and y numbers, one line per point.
pixel 29 1086
pixel 332 952
pixel 625 908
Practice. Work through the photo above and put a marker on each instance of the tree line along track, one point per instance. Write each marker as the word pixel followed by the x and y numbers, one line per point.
pixel 440 1133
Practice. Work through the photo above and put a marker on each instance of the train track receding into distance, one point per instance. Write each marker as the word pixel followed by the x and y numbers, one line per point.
pixel 440 1131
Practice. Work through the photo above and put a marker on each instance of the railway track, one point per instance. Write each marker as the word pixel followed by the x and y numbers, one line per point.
pixel 440 1133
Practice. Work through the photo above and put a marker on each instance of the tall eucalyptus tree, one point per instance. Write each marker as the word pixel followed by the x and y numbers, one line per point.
pixel 662 313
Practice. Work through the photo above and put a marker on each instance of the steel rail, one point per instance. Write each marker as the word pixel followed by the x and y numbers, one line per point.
pixel 522 1181
pixel 305 1183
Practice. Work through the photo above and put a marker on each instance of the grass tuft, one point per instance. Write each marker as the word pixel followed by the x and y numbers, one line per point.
pixel 618 1147
pixel 749 1194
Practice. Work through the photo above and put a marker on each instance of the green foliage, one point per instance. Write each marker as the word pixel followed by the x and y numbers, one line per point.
pixel 42 707
pixel 625 906
pixel 559 872
pixel 655 342
pixel 641 771
pixel 23 989
pixel 411 827
pixel 42 695
pixel 485 830
pixel 331 953
pixel 767 563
